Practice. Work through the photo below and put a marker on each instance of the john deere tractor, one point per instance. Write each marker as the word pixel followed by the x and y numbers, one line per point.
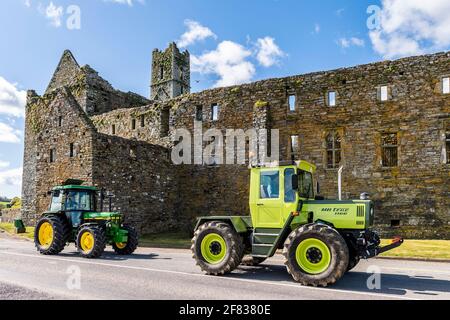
pixel 321 239
pixel 72 217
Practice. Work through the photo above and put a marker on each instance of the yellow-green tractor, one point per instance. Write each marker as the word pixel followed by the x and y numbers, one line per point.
pixel 321 239
pixel 73 217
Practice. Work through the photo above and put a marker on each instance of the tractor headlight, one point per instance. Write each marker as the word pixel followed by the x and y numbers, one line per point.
pixel 364 196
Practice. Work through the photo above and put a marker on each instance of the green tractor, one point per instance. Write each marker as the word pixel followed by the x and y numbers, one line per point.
pixel 72 217
pixel 321 239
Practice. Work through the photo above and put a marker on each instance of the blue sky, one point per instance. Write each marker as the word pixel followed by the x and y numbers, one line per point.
pixel 230 42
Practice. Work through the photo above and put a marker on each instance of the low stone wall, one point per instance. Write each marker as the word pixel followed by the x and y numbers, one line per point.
pixel 8 215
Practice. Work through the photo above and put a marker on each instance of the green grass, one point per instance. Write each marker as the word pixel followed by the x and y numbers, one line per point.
pixel 421 249
pixel 9 227
pixel 179 240
pixel 3 205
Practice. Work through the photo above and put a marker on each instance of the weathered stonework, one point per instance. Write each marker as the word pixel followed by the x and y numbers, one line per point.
pixel 124 145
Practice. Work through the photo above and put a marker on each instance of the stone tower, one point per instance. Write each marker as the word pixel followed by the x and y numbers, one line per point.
pixel 170 73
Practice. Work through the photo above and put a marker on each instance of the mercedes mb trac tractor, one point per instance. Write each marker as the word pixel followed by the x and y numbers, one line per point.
pixel 321 239
pixel 73 217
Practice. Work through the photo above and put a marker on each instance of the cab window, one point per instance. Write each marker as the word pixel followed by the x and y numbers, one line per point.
pixel 78 200
pixel 55 205
pixel 289 192
pixel 269 185
pixel 305 184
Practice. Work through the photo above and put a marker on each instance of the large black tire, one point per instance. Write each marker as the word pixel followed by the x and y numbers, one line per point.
pixel 130 246
pixel 352 261
pixel 60 230
pixel 232 255
pixel 337 249
pixel 97 242
pixel 252 261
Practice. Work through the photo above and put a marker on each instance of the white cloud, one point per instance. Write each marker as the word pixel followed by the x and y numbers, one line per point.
pixel 28 3
pixel 268 52
pixel 12 177
pixel 228 61
pixel 339 12
pixel 54 14
pixel 12 100
pixel 128 2
pixel 195 32
pixel 4 164
pixel 9 134
pixel 348 42
pixel 410 27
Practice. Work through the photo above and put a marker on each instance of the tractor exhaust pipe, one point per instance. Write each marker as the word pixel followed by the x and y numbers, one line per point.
pixel 340 183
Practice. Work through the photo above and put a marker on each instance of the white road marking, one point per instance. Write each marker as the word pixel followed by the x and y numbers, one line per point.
pixel 203 275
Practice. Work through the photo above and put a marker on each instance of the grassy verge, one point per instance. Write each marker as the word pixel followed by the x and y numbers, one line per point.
pixel 177 240
pixel 9 227
pixel 420 249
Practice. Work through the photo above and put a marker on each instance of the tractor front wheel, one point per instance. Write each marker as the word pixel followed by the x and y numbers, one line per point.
pixel 91 241
pixel 217 248
pixel 51 234
pixel 125 248
pixel 316 255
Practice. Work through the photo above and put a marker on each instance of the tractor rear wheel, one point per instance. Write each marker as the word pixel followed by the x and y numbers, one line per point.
pixel 51 234
pixel 217 248
pixel 252 261
pixel 125 248
pixel 91 241
pixel 316 255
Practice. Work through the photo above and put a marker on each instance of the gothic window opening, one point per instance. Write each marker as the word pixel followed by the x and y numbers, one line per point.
pixel 333 143
pixel 161 73
pixel 389 150
pixel 384 93
pixel 52 155
pixel 142 120
pixel 215 112
pixel 133 124
pixel 447 145
pixel 446 85
pixel 60 121
pixel 165 118
pixel 332 98
pixel 294 147
pixel 292 102
pixel 199 113
pixel 72 150
pixel 113 129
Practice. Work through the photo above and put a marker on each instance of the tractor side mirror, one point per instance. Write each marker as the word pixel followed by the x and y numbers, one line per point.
pixel 294 182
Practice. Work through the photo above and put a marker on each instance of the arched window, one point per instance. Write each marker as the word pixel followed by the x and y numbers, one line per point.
pixel 333 144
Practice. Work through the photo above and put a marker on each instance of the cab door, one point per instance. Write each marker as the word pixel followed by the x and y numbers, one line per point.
pixel 268 201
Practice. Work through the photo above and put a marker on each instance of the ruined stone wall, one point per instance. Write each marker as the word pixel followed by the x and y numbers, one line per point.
pixel 141 179
pixel 55 125
pixel 62 143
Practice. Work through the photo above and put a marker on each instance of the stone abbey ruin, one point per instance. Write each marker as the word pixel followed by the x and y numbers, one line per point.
pixel 387 123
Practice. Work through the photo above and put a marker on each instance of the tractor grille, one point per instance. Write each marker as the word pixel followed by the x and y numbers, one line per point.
pixel 360 211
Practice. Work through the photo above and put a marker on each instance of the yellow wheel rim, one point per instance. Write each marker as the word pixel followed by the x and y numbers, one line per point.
pixel 121 245
pixel 45 234
pixel 87 241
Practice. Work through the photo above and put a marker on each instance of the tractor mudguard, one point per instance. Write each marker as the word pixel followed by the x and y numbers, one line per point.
pixel 240 223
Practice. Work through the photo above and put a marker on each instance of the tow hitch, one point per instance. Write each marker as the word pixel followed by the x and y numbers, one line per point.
pixel 396 242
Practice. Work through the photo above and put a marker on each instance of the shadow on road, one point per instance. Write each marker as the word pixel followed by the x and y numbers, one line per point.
pixel 109 256
pixel 395 284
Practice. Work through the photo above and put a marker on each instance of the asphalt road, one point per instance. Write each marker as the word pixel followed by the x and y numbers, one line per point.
pixel 153 273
